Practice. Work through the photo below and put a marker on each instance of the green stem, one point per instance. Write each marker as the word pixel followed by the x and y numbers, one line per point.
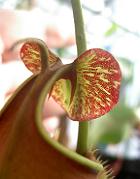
pixel 82 144
pixel 79 26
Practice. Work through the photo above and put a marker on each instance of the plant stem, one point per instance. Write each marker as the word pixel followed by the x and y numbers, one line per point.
pixel 79 26
pixel 82 143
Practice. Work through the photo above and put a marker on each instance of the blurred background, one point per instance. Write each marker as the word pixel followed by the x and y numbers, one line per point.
pixel 110 24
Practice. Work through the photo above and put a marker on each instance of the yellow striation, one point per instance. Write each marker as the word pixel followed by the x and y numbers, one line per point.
pixel 102 89
pixel 102 77
pixel 116 84
pixel 108 99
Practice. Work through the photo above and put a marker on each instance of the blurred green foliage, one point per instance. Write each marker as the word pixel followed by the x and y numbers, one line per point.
pixel 115 126
pixel 114 27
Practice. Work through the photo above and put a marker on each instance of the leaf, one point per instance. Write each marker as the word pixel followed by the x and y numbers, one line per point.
pixel 113 127
pixel 111 30
pixel 31 56
pixel 97 87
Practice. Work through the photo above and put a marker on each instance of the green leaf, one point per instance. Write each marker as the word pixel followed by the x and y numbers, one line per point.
pixel 113 127
pixel 111 30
